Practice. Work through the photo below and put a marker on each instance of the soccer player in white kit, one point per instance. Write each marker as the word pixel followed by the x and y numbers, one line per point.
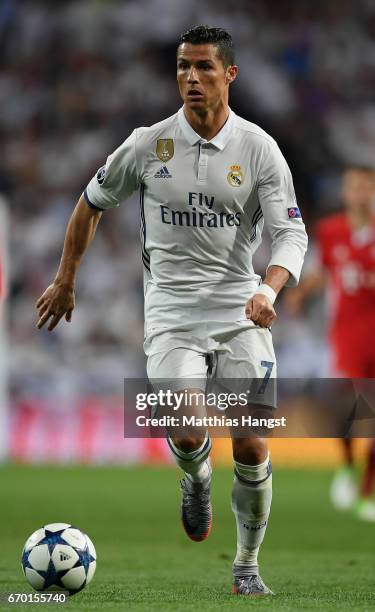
pixel 209 181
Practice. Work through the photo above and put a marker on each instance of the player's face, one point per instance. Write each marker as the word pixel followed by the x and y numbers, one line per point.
pixel 358 189
pixel 202 79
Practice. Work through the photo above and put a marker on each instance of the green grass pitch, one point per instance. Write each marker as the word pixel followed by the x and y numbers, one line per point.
pixel 313 557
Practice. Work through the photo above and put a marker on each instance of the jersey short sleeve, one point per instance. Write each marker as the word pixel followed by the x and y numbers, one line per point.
pixel 117 179
pixel 282 216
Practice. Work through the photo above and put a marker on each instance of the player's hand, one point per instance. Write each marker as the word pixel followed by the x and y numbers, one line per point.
pixel 57 300
pixel 260 310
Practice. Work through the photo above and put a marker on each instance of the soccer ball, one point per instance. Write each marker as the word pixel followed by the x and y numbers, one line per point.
pixel 59 557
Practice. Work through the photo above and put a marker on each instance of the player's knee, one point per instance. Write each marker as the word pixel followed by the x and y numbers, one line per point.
pixel 188 444
pixel 250 451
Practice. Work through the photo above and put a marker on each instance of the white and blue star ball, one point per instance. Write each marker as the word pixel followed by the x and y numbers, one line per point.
pixel 59 557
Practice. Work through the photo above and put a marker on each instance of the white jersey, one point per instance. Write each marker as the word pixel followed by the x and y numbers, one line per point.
pixel 203 208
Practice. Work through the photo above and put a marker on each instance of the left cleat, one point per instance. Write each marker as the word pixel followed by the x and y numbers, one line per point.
pixel 252 586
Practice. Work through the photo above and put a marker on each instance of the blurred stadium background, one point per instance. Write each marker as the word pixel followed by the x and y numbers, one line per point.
pixel 76 77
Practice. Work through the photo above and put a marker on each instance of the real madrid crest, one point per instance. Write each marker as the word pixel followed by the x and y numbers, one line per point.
pixel 235 176
pixel 165 149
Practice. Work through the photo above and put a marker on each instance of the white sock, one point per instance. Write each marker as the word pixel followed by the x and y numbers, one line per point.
pixel 251 503
pixel 196 464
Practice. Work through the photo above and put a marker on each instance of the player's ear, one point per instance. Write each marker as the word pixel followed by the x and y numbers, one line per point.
pixel 231 73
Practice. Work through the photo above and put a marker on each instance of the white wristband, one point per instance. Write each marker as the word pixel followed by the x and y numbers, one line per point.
pixel 267 291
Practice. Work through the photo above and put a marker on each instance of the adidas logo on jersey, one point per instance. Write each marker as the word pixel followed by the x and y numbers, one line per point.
pixel 163 173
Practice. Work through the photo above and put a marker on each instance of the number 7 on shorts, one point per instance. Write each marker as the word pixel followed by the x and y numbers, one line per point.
pixel 268 365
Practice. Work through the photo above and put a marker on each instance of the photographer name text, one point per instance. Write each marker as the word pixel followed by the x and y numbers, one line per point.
pixel 210 421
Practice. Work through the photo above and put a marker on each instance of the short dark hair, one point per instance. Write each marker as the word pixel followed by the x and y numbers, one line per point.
pixel 205 35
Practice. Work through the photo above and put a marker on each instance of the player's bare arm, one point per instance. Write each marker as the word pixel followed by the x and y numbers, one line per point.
pixel 58 299
pixel 259 307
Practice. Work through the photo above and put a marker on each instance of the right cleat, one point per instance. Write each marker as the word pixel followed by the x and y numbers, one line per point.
pixel 252 586
pixel 196 509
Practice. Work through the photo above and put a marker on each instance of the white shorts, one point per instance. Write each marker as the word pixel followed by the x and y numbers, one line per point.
pixel 229 354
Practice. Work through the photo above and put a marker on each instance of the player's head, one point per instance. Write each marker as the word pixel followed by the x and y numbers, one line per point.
pixel 358 188
pixel 205 67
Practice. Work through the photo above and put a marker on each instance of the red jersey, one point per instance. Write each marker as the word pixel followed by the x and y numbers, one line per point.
pixel 349 257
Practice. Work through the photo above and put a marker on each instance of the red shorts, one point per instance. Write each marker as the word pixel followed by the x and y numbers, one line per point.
pixel 353 353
